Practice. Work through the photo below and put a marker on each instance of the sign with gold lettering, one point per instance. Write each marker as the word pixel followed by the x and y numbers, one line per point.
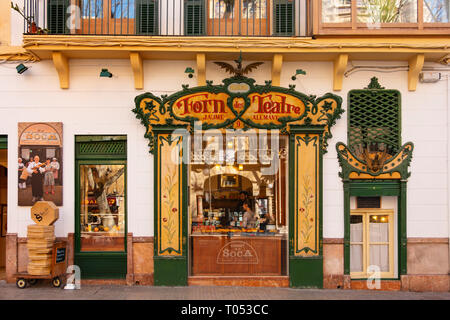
pixel 238 104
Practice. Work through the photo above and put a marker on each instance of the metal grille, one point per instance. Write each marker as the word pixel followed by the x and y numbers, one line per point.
pixel 374 119
pixel 103 148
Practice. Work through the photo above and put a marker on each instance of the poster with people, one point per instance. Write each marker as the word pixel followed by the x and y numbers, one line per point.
pixel 40 163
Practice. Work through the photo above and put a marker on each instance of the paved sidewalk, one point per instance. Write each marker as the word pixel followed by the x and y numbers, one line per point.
pixel 44 291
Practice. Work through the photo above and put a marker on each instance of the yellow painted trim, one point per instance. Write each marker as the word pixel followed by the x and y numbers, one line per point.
pixel 415 67
pixel 62 67
pixel 236 44
pixel 277 64
pixel 138 70
pixel 5 23
pixel 201 69
pixel 366 241
pixel 340 64
pixel 391 175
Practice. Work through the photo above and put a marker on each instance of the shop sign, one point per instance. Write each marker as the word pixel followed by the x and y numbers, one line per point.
pixel 39 134
pixel 237 104
pixel 237 252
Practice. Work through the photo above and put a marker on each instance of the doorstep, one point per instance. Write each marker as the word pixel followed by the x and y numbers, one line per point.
pixel 240 281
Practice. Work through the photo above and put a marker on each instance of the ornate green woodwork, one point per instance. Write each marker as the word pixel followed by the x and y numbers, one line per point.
pixel 375 163
pixel 355 168
pixel 115 146
pixel 374 117
pixel 155 112
pixel 236 104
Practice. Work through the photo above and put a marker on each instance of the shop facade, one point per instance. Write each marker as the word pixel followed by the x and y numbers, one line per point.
pixel 317 168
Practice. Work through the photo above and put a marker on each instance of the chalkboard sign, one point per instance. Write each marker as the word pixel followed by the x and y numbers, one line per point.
pixel 60 255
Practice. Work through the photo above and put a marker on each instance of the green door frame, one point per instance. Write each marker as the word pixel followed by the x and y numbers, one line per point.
pixel 170 270
pixel 305 271
pixel 378 188
pixel 98 264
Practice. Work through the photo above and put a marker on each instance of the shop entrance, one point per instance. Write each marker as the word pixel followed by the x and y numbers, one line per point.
pixel 3 203
pixel 238 206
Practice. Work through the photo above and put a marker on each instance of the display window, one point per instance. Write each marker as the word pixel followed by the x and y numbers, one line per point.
pixel 102 211
pixel 238 205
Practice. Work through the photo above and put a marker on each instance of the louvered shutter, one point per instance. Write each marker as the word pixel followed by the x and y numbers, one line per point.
pixel 284 17
pixel 194 17
pixel 57 16
pixel 147 17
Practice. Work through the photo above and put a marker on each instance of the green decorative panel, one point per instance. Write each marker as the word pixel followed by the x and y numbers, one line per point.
pixel 102 266
pixel 101 146
pixel 308 273
pixel 170 271
pixel 374 117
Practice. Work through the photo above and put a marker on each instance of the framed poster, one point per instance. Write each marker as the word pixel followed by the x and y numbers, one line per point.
pixel 40 163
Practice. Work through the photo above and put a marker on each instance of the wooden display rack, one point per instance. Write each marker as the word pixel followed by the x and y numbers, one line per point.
pixel 57 273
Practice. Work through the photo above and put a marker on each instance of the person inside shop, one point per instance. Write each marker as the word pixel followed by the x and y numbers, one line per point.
pixel 243 197
pixel 250 218
pixel 36 170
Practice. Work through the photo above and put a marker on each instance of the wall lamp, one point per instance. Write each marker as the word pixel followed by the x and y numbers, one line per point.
pixel 21 68
pixel 190 72
pixel 105 73
pixel 297 72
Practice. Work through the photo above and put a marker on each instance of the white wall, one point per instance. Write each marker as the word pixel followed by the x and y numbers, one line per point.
pixel 95 105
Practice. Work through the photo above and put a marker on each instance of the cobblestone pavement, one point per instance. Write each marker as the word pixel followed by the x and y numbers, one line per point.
pixel 44 291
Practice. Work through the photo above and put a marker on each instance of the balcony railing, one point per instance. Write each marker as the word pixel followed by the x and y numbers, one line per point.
pixel 246 18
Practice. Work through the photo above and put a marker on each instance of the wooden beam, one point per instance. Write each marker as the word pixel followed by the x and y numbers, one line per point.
pixel 340 64
pixel 415 67
pixel 138 70
pixel 62 67
pixel 277 64
pixel 201 69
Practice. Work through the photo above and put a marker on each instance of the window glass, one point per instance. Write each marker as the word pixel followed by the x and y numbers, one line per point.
pixel 356 243
pixel 379 256
pixel 336 11
pixel 436 11
pixel 102 209
pixel 387 11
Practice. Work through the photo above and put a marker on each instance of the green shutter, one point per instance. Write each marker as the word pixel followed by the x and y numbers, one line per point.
pixel 194 17
pixel 57 16
pixel 147 17
pixel 284 12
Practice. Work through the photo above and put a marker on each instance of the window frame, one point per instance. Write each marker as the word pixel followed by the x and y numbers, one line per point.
pixel 366 213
